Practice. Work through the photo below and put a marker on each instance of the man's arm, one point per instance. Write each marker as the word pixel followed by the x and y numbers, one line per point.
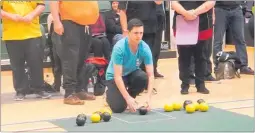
pixel 123 16
pixel 119 81
pixel 205 7
pixel 178 8
pixel 54 9
pixel 117 59
pixel 37 11
pixel 7 15
pixel 148 61
pixel 150 73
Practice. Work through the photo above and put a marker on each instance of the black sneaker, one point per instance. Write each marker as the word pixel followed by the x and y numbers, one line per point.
pixel 203 90
pixel 246 70
pixel 43 95
pixel 19 97
pixel 184 89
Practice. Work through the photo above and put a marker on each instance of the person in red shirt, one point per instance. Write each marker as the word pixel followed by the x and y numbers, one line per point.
pixel 100 44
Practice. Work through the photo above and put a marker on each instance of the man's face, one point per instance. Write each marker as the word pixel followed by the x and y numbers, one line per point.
pixel 136 34
pixel 115 5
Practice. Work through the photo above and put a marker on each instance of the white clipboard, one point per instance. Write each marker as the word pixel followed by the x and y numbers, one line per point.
pixel 186 31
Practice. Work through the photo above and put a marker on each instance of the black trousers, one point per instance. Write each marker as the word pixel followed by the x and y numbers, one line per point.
pixel 184 60
pixel 55 59
pixel 208 53
pixel 157 46
pixel 150 38
pixel 101 47
pixel 136 82
pixel 251 26
pixel 75 49
pixel 31 52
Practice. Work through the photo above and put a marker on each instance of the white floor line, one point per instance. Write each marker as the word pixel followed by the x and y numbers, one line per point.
pixel 120 119
pixel 163 114
pixel 163 119
pixel 240 107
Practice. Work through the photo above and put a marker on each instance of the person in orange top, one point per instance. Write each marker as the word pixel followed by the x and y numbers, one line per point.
pixel 22 35
pixel 70 19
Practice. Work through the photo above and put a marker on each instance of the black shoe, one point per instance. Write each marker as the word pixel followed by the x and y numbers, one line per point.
pixel 203 90
pixel 56 87
pixel 19 97
pixel 246 70
pixel 158 75
pixel 184 91
pixel 42 95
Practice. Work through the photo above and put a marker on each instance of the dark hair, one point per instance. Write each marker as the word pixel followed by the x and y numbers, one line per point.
pixel 134 23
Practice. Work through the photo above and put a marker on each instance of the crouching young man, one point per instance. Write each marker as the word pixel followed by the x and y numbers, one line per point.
pixel 124 78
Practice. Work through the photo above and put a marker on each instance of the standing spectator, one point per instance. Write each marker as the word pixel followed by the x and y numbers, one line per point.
pixel 23 38
pixel 229 14
pixel 190 10
pixel 161 24
pixel 75 15
pixel 208 53
pixel 146 12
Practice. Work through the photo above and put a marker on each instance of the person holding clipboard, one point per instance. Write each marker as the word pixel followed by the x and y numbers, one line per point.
pixel 192 28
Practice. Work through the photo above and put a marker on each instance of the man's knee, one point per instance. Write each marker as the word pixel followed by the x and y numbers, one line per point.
pixel 141 76
pixel 116 106
pixel 114 98
pixel 118 109
pixel 139 80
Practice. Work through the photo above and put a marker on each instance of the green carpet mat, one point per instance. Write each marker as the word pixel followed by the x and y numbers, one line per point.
pixel 215 120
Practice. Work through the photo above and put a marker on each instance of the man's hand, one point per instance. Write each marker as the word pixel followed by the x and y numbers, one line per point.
pixel 158 2
pixel 28 18
pixel 148 103
pixel 132 104
pixel 58 27
pixel 190 15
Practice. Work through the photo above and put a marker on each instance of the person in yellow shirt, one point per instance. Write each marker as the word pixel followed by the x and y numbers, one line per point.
pixel 22 35
pixel 70 19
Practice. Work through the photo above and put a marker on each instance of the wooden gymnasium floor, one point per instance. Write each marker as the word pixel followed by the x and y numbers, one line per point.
pixel 236 95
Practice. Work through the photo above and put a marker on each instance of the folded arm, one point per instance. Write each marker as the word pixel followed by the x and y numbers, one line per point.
pixel 205 7
pixel 175 5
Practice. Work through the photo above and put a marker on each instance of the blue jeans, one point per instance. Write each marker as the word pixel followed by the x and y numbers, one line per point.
pixel 116 38
pixel 234 19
